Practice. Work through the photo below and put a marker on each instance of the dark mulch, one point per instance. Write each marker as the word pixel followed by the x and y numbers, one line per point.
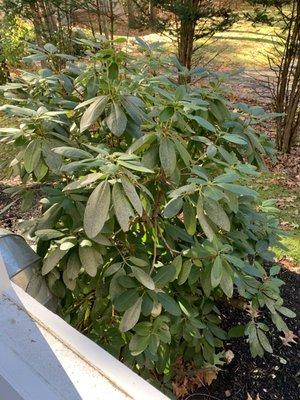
pixel 267 377
pixel 9 219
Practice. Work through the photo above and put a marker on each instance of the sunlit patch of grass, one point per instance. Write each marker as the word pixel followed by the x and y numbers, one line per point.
pixel 292 242
pixel 270 186
pixel 242 46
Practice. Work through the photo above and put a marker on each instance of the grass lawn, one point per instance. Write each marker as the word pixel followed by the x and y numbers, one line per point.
pixel 244 45
pixel 270 186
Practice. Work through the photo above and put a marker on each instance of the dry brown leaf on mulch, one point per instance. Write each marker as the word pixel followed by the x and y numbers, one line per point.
pixel 188 378
pixel 290 264
pixel 249 397
pixel 288 164
pixel 229 356
pixel 289 337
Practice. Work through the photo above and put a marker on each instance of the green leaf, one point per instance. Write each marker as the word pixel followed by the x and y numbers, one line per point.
pixel 101 239
pixel 126 299
pixel 173 207
pixel 131 316
pixel 184 154
pixel 134 107
pixel 238 189
pixel 18 111
pixel 135 166
pixel 177 262
pixel 84 181
pixel 237 262
pixel 52 260
pixel 203 220
pixel 122 207
pixel 35 285
pixel 226 282
pixel 279 322
pixel 127 282
pixel 138 344
pixel 236 331
pixel 143 328
pixel 185 272
pixel 216 272
pixel 142 143
pixel 168 303
pixel 167 156
pixel 112 269
pixel 143 277
pixel 132 195
pixel 264 341
pixel 237 139
pixel 67 245
pixel 166 114
pixel 73 266
pixel 32 155
pixel 90 259
pixel 117 120
pixel 93 112
pixel 96 211
pixel 113 71
pixel 50 48
pixel 85 103
pixel 138 261
pixel 47 234
pixel 72 152
pixel 164 275
pixel 53 160
pixel 189 218
pixel 203 123
pixel 217 214
pixel 49 217
pixel 40 170
pixel 286 312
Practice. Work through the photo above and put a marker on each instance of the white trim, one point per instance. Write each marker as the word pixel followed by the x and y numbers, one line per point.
pixel 17 381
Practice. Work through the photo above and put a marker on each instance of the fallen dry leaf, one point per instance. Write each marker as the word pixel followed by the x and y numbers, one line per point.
pixel 289 337
pixel 229 356
pixel 179 390
pixel 188 378
pixel 252 311
pixel 290 264
pixel 209 376
pixel 249 397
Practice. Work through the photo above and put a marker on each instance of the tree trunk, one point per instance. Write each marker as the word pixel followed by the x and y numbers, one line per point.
pixel 185 46
pixel 287 96
pixel 4 72
pixel 131 13
pixel 152 13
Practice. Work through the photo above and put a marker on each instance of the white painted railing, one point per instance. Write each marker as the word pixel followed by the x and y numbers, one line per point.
pixel 44 358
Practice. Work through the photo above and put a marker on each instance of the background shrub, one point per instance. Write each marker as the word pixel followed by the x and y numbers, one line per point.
pixel 148 221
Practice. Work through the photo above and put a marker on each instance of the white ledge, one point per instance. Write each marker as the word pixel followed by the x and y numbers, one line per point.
pixel 44 358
